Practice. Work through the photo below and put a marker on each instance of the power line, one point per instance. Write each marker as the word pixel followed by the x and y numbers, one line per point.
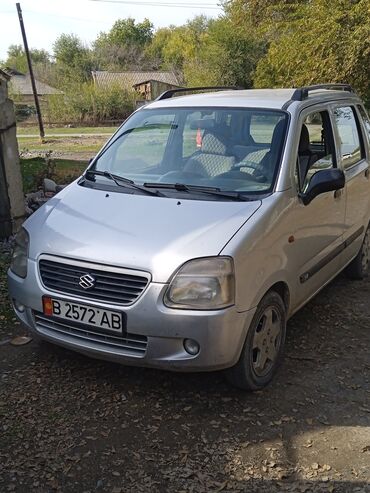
pixel 182 5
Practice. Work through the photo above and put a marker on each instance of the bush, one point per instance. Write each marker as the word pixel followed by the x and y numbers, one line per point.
pixel 88 104
pixel 62 171
pixel 24 111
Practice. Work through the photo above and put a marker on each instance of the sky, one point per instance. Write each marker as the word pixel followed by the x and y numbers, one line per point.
pixel 45 20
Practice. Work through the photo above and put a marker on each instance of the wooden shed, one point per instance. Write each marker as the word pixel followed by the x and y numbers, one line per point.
pixel 151 89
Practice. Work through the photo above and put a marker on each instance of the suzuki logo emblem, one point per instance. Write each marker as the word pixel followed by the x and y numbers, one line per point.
pixel 87 281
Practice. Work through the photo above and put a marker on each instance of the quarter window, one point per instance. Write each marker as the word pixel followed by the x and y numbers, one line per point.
pixel 351 147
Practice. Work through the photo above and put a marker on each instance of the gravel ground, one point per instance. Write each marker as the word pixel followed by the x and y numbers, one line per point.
pixel 73 424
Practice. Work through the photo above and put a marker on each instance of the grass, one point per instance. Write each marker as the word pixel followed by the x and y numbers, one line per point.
pixel 66 143
pixel 63 171
pixel 63 130
pixel 70 145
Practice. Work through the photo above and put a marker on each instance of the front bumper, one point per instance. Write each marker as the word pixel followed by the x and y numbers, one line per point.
pixel 161 330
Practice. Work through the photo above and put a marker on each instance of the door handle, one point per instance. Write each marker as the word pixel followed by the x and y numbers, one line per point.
pixel 367 173
pixel 338 193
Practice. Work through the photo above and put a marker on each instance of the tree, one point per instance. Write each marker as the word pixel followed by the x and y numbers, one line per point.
pixel 123 47
pixel 318 41
pixel 73 59
pixel 155 50
pixel 174 47
pixel 126 32
pixel 16 58
pixel 227 56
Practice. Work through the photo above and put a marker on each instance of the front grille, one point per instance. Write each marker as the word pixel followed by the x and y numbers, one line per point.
pixel 127 344
pixel 110 286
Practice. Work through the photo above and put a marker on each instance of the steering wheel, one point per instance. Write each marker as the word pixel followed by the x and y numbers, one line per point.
pixel 255 175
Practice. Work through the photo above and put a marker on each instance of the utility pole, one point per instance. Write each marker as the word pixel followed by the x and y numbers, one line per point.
pixel 34 90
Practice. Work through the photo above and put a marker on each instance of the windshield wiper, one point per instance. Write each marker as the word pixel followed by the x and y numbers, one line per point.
pixel 121 181
pixel 181 187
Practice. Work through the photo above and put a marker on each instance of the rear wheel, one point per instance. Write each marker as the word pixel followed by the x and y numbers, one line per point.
pixel 359 267
pixel 263 346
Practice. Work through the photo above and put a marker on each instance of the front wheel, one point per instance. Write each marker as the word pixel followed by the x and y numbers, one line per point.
pixel 263 346
pixel 359 267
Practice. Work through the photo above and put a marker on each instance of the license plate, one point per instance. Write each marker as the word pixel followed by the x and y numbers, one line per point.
pixel 84 314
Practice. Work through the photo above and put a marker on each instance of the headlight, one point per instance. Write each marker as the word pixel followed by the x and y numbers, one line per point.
pixel 18 263
pixel 202 284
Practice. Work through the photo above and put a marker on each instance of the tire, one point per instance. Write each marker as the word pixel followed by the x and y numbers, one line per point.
pixel 359 267
pixel 254 370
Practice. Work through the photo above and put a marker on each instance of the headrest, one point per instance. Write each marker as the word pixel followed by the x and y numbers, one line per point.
pixel 304 140
pixel 278 134
pixel 213 145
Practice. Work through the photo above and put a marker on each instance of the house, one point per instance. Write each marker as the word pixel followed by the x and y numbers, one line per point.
pixel 21 88
pixel 12 210
pixel 148 85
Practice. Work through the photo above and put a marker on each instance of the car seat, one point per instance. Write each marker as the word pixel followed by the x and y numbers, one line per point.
pixel 306 157
pixel 213 158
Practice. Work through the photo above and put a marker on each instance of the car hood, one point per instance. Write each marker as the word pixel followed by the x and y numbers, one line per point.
pixel 154 234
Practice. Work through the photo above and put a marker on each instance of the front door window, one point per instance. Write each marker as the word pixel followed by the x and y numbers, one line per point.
pixel 316 148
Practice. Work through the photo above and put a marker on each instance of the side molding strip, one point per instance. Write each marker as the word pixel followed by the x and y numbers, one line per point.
pixel 331 256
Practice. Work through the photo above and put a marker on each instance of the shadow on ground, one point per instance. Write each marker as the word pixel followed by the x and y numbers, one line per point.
pixel 73 424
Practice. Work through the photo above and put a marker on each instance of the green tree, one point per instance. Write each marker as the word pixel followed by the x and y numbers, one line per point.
pixel 155 50
pixel 127 32
pixel 227 55
pixel 123 47
pixel 73 59
pixel 318 41
pixel 16 58
pixel 174 48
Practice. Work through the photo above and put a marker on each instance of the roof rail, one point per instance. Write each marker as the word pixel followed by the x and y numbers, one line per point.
pixel 171 92
pixel 302 92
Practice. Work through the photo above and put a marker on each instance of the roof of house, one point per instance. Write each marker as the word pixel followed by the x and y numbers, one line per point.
pixel 130 79
pixel 4 75
pixel 21 84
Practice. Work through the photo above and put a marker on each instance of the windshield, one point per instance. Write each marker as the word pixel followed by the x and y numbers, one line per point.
pixel 233 150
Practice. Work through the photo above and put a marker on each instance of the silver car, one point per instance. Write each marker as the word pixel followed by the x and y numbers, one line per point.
pixel 202 225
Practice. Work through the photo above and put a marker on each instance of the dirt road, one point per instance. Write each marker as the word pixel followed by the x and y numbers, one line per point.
pixel 73 424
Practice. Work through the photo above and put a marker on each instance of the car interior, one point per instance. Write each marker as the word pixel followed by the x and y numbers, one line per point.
pixel 235 150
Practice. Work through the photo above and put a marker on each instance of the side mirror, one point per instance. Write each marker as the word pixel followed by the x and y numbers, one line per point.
pixel 325 180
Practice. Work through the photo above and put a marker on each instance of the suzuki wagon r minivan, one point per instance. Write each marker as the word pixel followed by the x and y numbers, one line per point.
pixel 202 225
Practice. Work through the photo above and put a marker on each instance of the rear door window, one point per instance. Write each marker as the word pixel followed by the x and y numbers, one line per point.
pixel 366 121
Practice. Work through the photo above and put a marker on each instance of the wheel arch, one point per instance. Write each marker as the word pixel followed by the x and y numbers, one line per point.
pixel 282 289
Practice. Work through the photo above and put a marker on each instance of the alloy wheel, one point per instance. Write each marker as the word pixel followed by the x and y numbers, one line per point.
pixel 266 341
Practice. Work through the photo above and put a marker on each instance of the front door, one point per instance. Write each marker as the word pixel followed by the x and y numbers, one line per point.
pixel 319 225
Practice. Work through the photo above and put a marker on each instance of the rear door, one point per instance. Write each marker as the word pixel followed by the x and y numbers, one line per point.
pixel 354 160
